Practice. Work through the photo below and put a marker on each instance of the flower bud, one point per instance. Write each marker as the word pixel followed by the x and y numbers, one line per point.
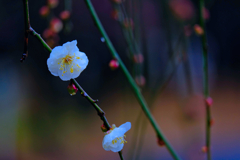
pixel 117 1
pixel 140 80
pixel 204 149
pixel 48 33
pixel 115 14
pixel 161 142
pixel 56 25
pixel 104 128
pixel 138 58
pixel 44 11
pixel 128 23
pixel 64 15
pixel 206 14
pixel 199 31
pixel 113 64
pixel 182 9
pixel 52 3
pixel 212 122
pixel 209 101
pixel 72 89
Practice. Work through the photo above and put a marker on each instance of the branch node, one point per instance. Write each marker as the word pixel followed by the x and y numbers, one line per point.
pixel 24 56
pixel 95 101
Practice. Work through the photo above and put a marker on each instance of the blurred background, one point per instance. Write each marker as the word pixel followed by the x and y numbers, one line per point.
pixel 159 43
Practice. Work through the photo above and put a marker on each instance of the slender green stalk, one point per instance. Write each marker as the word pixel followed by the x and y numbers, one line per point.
pixel 134 86
pixel 121 156
pixel 205 79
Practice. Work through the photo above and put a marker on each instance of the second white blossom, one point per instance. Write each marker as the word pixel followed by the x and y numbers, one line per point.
pixel 114 139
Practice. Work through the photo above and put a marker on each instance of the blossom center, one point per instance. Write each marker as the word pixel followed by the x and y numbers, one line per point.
pixel 67 60
pixel 121 139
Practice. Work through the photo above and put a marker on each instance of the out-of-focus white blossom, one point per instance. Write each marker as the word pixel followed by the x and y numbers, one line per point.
pixel 114 138
pixel 67 61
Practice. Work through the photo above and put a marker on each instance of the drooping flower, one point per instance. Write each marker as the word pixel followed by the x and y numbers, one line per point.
pixel 114 138
pixel 67 61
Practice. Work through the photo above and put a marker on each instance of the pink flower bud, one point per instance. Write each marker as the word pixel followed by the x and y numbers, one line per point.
pixel 212 122
pixel 117 1
pixel 64 15
pixel 161 142
pixel 44 11
pixel 209 101
pixel 198 29
pixel 140 80
pixel 72 89
pixel 128 23
pixel 104 128
pixel 183 9
pixel 47 33
pixel 52 3
pixel 56 25
pixel 113 64
pixel 204 149
pixel 206 14
pixel 138 58
pixel 115 14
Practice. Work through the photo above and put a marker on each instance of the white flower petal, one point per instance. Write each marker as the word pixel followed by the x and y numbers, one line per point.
pixel 126 126
pixel 71 47
pixel 118 148
pixel 52 66
pixel 58 51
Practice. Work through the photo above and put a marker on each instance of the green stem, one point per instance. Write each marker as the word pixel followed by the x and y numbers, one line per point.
pixel 134 86
pixel 205 78
pixel 100 112
pixel 120 155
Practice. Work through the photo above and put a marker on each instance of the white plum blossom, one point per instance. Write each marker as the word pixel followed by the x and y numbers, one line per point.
pixel 67 61
pixel 114 138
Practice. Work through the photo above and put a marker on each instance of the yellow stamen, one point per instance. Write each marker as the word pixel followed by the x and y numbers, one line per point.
pixel 71 70
pixel 67 60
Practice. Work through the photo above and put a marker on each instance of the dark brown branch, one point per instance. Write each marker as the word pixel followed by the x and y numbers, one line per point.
pixel 26 30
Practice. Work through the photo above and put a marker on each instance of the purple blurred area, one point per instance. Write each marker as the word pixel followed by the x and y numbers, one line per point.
pixel 39 120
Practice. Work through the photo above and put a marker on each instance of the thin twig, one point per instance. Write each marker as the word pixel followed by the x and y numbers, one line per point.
pixel 26 30
pixel 205 79
pixel 100 112
pixel 159 88
pixel 134 86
